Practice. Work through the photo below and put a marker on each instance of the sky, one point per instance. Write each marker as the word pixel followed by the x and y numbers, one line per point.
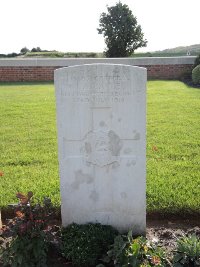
pixel 71 25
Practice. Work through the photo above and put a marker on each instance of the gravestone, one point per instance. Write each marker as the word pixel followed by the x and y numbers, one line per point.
pixel 101 110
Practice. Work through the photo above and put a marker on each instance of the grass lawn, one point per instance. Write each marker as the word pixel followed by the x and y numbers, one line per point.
pixel 173 147
pixel 28 144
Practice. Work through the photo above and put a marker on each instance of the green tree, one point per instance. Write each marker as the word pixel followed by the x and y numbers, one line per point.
pixel 24 50
pixel 37 49
pixel 121 32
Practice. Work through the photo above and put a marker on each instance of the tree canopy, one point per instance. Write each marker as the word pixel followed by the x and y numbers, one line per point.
pixel 121 32
pixel 24 50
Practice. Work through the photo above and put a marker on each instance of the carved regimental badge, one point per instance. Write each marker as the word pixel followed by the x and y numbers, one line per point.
pixel 102 148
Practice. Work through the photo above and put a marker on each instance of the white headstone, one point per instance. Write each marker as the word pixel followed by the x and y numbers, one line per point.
pixel 101 120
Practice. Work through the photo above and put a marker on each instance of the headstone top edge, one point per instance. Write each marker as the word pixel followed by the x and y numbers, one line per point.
pixel 98 64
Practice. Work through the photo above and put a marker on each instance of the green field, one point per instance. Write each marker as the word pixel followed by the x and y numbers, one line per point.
pixel 28 144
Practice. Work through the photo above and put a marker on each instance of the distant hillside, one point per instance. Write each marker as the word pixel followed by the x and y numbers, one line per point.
pixel 56 54
pixel 192 49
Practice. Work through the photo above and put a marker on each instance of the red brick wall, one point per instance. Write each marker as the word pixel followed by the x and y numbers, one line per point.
pixel 46 73
pixel 26 74
pixel 167 72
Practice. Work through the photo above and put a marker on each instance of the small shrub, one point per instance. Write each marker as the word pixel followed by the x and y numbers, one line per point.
pixel 26 234
pixel 188 252
pixel 197 61
pixel 196 75
pixel 85 244
pixel 127 251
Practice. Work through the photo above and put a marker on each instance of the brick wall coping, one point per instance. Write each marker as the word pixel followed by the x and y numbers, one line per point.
pixel 49 62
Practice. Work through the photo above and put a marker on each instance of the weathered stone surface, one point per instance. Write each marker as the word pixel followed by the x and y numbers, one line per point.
pixel 101 110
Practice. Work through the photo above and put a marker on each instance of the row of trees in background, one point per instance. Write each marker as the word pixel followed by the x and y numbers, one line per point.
pixel 23 51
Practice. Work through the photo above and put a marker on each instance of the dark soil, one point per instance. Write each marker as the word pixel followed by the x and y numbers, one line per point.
pixel 166 232
pixel 162 231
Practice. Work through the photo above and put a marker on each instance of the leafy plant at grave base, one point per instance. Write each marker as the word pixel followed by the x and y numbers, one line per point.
pixel 188 252
pixel 27 233
pixel 127 251
pixel 196 75
pixel 85 244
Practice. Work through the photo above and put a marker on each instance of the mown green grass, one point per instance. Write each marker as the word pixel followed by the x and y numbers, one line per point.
pixel 28 141
pixel 173 147
pixel 28 145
